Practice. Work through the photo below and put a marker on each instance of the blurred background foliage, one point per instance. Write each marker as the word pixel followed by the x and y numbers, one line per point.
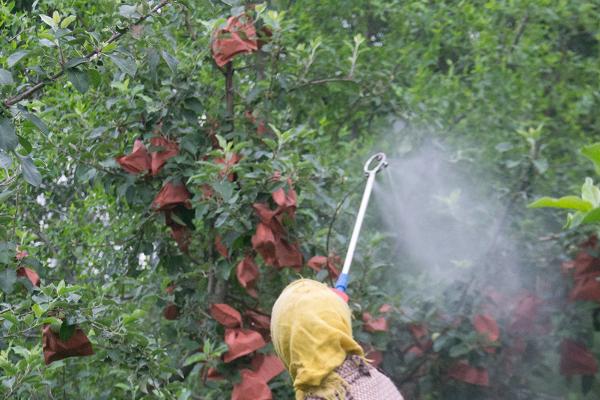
pixel 509 89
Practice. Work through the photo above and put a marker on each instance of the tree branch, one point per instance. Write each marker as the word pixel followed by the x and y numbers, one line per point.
pixel 96 53
pixel 324 81
pixel 229 92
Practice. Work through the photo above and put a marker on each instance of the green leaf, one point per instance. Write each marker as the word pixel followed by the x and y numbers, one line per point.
pixel 47 43
pixel 591 217
pixel 60 288
pixel 25 144
pixel 35 120
pixel 221 219
pixel 590 192
pixel 5 195
pixel 73 62
pixel 109 48
pixel 440 342
pixel 95 77
pixel 194 358
pixel 177 219
pixel 224 188
pixel 79 79
pixel 8 277
pixel 67 21
pixel 97 132
pixel 569 202
pixel 207 348
pixel 574 219
pixel 261 7
pixel 222 141
pixel 30 171
pixel 54 323
pixel 5 77
pixel 123 386
pixel 7 252
pixel 48 21
pixel 129 12
pixel 16 57
pixel 66 331
pixel 186 394
pixel 458 350
pixel 37 310
pixel 272 144
pixel 126 65
pixel 193 104
pixel 134 316
pixel 592 153
pixel 171 61
pixel 8 135
pixel 225 269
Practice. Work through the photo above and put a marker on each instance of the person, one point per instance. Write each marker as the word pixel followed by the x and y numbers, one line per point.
pixel 311 331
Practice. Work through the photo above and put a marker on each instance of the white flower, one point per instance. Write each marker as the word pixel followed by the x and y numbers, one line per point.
pixel 41 199
pixel 142 260
pixel 62 180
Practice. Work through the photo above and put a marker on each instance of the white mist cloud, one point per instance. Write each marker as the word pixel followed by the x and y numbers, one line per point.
pixel 442 217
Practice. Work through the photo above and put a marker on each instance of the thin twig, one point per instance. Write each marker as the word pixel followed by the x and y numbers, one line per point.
pixel 95 53
pixel 520 30
pixel 324 81
pixel 336 212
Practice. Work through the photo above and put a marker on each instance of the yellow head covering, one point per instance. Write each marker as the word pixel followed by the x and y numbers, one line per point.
pixel 312 333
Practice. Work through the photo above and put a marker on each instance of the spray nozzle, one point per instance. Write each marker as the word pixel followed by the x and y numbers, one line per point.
pixel 371 167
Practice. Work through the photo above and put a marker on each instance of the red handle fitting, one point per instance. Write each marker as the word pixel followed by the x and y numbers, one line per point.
pixel 341 293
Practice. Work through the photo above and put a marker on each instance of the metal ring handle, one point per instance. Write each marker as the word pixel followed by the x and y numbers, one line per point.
pixel 382 163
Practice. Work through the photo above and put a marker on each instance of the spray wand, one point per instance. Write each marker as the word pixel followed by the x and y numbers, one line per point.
pixel 376 163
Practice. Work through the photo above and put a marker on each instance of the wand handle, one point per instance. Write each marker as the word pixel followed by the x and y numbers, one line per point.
pixel 342 282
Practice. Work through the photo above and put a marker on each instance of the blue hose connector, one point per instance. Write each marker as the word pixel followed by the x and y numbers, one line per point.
pixel 342 282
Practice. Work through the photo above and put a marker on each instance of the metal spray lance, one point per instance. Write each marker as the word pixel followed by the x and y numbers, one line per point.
pixel 376 163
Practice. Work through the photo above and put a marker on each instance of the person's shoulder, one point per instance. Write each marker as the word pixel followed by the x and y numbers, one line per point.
pixel 368 383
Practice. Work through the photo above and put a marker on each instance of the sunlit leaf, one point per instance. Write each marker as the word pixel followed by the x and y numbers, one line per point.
pixel 568 202
pixel 49 21
pixel 67 21
pixel 590 192
pixel 194 358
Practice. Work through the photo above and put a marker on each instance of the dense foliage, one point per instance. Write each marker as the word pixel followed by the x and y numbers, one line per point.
pixel 269 144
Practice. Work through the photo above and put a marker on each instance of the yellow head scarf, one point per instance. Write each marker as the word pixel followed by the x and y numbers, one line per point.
pixel 312 333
